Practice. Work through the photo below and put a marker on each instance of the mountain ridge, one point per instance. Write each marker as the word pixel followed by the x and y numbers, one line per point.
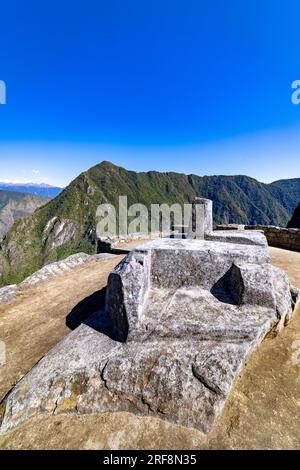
pixel 36 189
pixel 66 224
pixel 15 205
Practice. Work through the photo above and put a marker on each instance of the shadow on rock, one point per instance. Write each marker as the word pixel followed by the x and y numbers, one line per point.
pixel 223 289
pixel 91 312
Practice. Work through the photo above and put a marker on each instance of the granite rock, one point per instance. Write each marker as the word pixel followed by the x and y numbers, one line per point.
pixel 181 318
pixel 58 231
pixel 201 219
pixel 8 293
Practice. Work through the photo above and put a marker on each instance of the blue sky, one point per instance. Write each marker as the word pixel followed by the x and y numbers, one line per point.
pixel 192 86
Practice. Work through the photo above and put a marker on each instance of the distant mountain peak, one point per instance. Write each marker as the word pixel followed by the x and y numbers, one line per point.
pixel 36 189
pixel 19 183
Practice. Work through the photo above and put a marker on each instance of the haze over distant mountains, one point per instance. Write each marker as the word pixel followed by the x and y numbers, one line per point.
pixel 15 205
pixel 66 224
pixel 41 189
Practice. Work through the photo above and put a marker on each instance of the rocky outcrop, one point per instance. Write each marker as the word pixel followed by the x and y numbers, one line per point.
pixel 8 293
pixel 295 220
pixel 57 232
pixel 181 318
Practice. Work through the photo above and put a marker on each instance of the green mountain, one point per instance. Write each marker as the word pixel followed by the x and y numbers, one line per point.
pixel 295 220
pixel 286 192
pixel 66 224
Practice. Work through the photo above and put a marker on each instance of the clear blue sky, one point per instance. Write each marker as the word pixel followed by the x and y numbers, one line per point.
pixel 193 86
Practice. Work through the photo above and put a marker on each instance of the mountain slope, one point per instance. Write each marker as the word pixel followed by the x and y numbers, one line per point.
pixel 287 192
pixel 66 224
pixel 14 205
pixel 295 220
pixel 44 190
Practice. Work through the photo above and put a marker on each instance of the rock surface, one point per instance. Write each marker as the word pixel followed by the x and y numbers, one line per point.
pixel 58 231
pixel 201 219
pixel 261 412
pixel 8 293
pixel 190 312
pixel 238 236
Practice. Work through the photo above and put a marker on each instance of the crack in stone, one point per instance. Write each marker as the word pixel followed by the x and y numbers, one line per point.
pixel 144 401
pixel 216 390
pixel 102 375
pixel 196 335
pixel 56 404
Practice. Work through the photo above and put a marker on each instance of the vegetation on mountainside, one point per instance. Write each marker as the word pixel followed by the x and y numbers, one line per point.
pixel 6 196
pixel 286 192
pixel 70 217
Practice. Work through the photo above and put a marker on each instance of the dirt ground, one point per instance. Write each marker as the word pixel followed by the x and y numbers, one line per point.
pixel 36 321
pixel 262 411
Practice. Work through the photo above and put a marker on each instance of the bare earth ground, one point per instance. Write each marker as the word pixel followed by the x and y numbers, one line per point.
pixel 262 412
pixel 36 321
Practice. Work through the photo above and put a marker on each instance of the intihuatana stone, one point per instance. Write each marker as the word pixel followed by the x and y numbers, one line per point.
pixel 180 319
pixel 201 220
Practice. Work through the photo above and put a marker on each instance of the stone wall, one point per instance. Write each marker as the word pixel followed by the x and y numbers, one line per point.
pixel 114 244
pixel 287 238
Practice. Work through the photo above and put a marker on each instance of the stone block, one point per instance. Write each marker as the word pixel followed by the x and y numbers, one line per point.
pixel 180 320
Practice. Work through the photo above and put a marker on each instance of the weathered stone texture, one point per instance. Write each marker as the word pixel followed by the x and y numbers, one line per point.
pixel 201 220
pixel 8 293
pixel 286 238
pixel 182 316
pixel 127 287
pixel 238 236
